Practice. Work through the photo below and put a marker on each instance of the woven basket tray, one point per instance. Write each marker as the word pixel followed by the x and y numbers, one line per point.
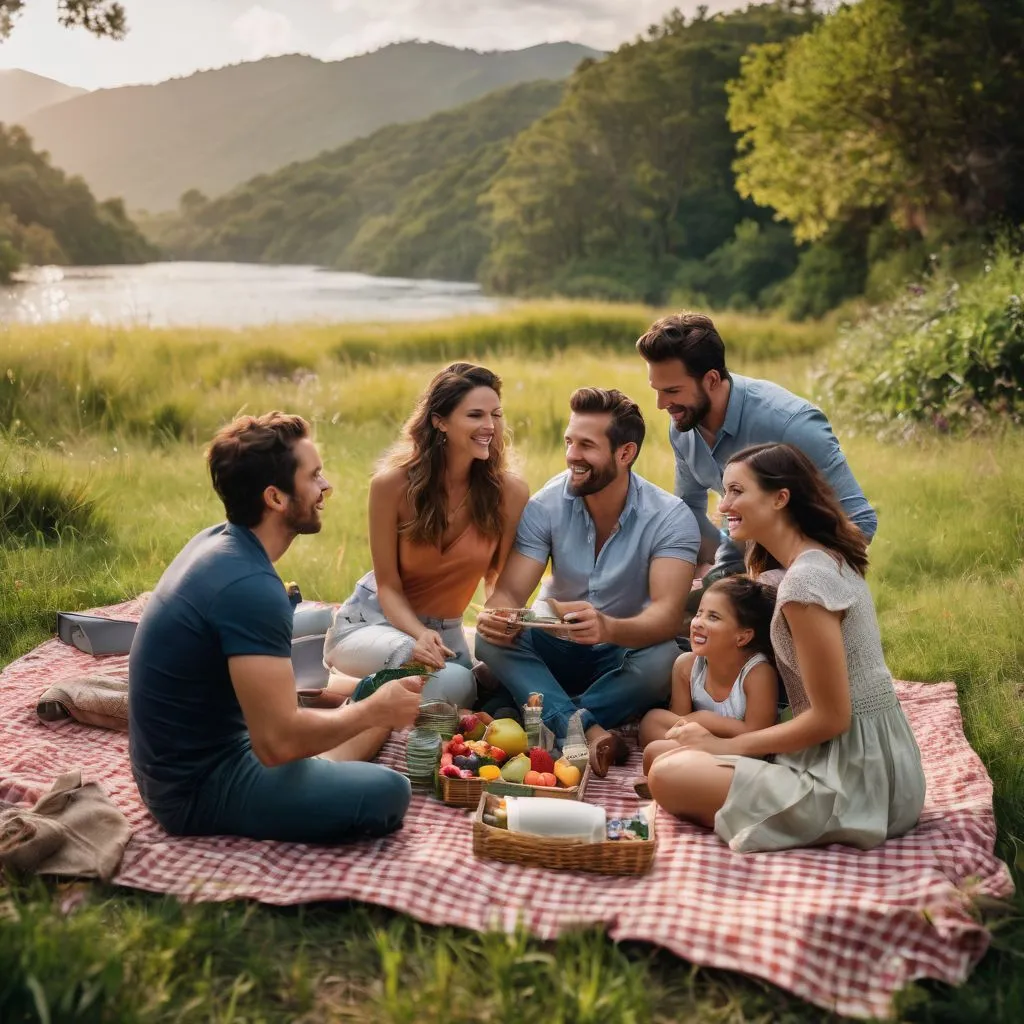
pixel 612 857
pixel 467 792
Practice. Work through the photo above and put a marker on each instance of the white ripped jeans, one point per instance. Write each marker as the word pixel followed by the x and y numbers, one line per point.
pixel 361 640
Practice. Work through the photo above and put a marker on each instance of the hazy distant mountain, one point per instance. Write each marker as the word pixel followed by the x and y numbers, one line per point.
pixel 22 94
pixel 216 129
pixel 403 201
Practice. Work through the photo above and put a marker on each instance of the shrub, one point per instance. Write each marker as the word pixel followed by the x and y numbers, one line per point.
pixel 36 508
pixel 947 355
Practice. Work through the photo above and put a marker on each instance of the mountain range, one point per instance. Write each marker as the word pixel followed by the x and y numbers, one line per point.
pixel 404 201
pixel 215 129
pixel 23 93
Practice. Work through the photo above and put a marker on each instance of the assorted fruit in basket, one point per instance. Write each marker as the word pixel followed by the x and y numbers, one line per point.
pixel 502 751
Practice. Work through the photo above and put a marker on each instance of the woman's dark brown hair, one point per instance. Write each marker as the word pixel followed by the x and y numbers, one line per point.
pixel 421 453
pixel 813 506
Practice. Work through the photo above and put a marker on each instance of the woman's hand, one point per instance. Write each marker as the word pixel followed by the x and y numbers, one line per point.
pixel 430 649
pixel 693 736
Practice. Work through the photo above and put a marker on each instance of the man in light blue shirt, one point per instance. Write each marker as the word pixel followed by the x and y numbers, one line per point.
pixel 622 555
pixel 716 413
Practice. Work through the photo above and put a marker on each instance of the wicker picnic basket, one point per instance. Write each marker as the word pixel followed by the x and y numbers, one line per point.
pixel 468 792
pixel 612 857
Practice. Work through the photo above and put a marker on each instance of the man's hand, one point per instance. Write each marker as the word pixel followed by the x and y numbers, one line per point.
pixel 430 649
pixel 585 624
pixel 397 703
pixel 497 629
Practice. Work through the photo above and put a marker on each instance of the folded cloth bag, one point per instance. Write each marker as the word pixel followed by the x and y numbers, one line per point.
pixel 74 831
pixel 92 699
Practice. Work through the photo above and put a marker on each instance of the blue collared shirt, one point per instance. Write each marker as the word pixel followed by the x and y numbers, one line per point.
pixel 653 524
pixel 760 412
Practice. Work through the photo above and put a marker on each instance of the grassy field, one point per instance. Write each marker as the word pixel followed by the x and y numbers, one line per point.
pixel 116 421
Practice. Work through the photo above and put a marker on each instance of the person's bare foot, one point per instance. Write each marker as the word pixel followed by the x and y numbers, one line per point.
pixel 606 748
pixel 641 788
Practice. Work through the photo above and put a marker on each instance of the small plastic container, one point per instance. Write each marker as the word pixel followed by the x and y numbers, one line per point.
pixel 569 819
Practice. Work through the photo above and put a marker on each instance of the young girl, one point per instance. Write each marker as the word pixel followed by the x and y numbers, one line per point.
pixel 728 683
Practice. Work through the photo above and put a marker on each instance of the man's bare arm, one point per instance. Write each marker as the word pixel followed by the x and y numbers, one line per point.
pixel 281 731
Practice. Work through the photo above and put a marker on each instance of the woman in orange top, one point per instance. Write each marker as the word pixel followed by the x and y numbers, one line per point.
pixel 443 514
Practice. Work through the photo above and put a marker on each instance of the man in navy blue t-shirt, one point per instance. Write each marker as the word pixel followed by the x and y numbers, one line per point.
pixel 218 742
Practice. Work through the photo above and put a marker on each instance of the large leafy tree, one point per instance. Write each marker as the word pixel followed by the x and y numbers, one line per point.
pixel 911 107
pixel 99 17
pixel 632 172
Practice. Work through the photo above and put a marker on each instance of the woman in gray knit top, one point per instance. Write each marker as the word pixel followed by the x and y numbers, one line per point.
pixel 846 768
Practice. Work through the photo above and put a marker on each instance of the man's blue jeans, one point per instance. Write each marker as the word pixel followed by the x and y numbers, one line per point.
pixel 609 683
pixel 307 801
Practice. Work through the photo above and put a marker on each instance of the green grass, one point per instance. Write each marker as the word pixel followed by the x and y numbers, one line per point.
pixel 946 573
pixel 172 384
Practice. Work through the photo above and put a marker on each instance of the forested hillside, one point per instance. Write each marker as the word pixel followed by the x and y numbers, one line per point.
pixel 402 202
pixel 626 190
pixel 22 94
pixel 216 129
pixel 47 217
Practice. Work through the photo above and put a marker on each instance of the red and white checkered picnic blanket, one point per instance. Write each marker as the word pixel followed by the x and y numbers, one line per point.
pixel 841 928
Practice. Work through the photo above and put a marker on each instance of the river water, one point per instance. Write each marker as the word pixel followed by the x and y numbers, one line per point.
pixel 228 295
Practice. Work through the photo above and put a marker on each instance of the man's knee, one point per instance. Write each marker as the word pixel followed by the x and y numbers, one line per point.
pixel 385 797
pixel 393 794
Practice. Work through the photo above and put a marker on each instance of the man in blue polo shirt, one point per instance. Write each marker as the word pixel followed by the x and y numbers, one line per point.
pixel 218 743
pixel 622 555
pixel 716 413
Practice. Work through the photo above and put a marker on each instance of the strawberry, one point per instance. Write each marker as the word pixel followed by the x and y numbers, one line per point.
pixel 497 755
pixel 541 761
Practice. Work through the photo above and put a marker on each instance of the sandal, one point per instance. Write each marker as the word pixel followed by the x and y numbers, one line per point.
pixel 607 750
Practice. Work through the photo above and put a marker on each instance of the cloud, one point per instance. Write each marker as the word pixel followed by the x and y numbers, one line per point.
pixel 263 32
pixel 497 24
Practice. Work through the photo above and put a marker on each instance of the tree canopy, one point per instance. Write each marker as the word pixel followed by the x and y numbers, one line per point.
pixel 631 174
pixel 47 217
pixel 910 107
pixel 105 18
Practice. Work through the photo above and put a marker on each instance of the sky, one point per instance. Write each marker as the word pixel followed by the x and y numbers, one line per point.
pixel 169 38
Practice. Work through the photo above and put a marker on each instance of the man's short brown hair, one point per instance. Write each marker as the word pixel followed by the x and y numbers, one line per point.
pixel 251 454
pixel 627 421
pixel 689 337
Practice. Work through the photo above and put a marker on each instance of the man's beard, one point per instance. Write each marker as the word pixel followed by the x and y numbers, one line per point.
pixel 695 414
pixel 303 521
pixel 596 480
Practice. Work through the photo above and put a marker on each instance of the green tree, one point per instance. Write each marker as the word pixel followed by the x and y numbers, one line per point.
pixel 631 174
pixel 98 17
pixel 910 107
pixel 50 218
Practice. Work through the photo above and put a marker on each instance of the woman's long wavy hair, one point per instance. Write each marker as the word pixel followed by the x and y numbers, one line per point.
pixel 421 452
pixel 813 506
